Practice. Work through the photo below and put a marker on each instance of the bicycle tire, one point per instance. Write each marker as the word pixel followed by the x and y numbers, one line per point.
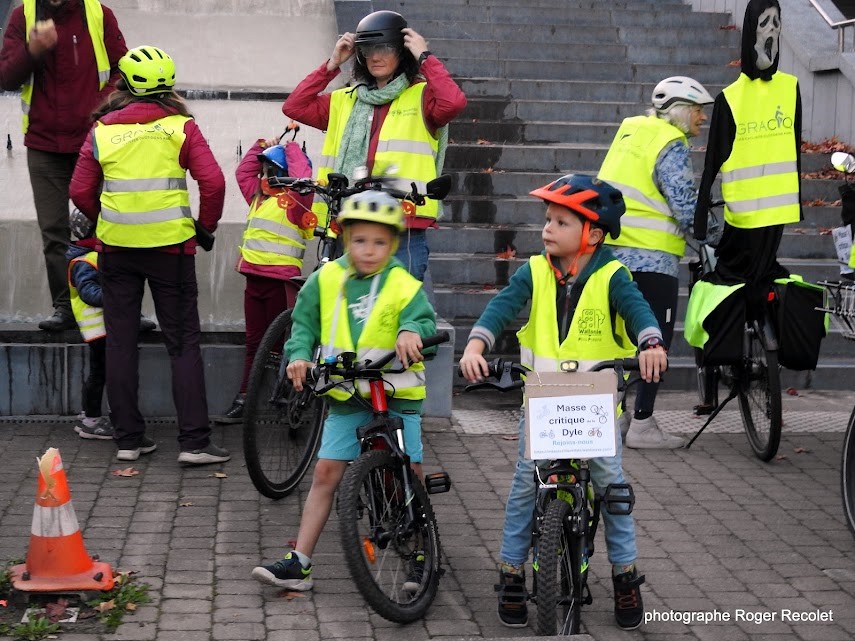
pixel 559 585
pixel 281 428
pixel 759 391
pixel 378 546
pixel 847 473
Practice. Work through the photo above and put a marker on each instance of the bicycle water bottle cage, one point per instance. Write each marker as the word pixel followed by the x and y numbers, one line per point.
pixel 437 483
pixel 619 498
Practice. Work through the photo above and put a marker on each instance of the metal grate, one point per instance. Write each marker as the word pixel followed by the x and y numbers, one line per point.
pixel 840 305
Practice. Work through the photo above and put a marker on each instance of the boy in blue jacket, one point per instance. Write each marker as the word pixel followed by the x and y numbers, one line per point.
pixel 584 307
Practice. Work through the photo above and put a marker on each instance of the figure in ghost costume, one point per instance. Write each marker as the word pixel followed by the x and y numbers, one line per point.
pixel 754 142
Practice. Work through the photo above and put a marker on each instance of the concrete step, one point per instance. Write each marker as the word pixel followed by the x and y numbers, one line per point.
pixel 670 37
pixel 635 91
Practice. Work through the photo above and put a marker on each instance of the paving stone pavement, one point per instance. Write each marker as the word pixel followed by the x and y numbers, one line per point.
pixel 720 533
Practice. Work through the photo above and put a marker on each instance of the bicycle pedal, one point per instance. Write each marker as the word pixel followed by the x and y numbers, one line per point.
pixel 619 498
pixel 437 483
pixel 703 410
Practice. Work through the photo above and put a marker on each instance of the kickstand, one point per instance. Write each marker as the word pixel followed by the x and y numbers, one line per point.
pixel 719 407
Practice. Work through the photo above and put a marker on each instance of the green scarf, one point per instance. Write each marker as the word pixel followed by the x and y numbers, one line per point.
pixel 353 150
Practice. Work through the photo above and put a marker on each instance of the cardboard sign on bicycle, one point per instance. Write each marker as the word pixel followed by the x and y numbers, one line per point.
pixel 570 415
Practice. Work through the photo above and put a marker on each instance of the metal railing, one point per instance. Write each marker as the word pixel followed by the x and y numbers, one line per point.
pixel 839 26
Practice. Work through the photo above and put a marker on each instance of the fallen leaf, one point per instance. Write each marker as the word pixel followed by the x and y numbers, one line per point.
pixel 128 471
pixel 827 146
pixel 488 170
pixel 88 613
pixel 482 141
pixel 801 450
pixel 185 504
pixel 735 63
pixel 781 457
pixel 510 437
pixel 290 595
pixel 106 606
pixel 219 475
pixel 792 391
pixel 54 611
pixel 728 27
pixel 825 231
pixel 131 607
pixel 4 602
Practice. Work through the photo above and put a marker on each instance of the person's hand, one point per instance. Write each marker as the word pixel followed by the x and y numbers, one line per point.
pixel 408 347
pixel 296 372
pixel 414 42
pixel 344 48
pixel 271 142
pixel 472 364
pixel 42 38
pixel 652 362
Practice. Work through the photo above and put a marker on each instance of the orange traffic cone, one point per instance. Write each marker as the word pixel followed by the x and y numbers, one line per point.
pixel 57 559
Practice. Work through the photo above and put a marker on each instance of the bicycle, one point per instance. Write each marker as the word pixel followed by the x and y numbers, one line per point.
pixel 566 513
pixel 282 428
pixel 754 378
pixel 387 526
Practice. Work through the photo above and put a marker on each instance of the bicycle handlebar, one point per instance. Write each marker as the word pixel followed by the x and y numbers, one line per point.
pixel 338 187
pixel 509 373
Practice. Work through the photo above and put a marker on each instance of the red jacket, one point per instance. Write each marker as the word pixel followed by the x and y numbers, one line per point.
pixel 65 82
pixel 195 156
pixel 442 102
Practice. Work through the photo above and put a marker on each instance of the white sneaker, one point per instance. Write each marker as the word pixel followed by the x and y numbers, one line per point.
pixel 623 423
pixel 645 434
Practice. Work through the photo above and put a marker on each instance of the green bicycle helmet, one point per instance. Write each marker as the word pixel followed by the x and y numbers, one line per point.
pixel 147 70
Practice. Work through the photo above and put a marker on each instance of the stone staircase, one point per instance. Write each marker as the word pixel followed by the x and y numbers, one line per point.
pixel 548 82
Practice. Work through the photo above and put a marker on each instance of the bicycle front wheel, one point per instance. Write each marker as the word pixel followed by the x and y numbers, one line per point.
pixel 282 427
pixel 559 567
pixel 759 390
pixel 390 541
pixel 847 473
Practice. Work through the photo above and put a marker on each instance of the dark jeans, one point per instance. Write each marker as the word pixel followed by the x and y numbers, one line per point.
pixel 263 300
pixel 50 176
pixel 172 281
pixel 93 386
pixel 660 291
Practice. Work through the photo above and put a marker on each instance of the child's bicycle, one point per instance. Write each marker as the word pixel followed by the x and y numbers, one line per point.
pixel 566 514
pixel 755 379
pixel 282 428
pixel 387 526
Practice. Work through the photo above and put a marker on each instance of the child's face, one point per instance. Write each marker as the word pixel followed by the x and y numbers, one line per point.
pixel 370 246
pixel 562 232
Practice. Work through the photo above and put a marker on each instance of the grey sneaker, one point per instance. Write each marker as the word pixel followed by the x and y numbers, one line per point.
pixel 100 429
pixel 205 456
pixel 645 434
pixel 147 446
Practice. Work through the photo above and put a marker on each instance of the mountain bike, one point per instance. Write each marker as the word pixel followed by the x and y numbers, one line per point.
pixel 387 526
pixel 282 427
pixel 566 513
pixel 754 376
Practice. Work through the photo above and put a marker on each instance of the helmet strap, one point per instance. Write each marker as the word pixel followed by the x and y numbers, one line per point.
pixel 585 247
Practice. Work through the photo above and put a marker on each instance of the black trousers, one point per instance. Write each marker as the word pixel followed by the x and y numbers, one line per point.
pixel 93 386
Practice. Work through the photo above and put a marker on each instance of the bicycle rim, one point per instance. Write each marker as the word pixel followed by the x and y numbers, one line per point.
pixel 559 590
pixel 382 547
pixel 759 391
pixel 847 473
pixel 282 428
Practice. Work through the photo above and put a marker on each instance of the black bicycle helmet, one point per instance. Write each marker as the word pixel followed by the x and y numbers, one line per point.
pixel 590 197
pixel 381 27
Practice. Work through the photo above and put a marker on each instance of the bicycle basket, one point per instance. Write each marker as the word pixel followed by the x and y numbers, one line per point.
pixel 839 303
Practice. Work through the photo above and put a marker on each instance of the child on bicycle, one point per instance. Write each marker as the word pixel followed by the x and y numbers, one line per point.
pixel 575 272
pixel 365 300
pixel 274 241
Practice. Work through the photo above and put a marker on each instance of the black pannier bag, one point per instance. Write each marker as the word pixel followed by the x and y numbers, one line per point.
pixel 799 325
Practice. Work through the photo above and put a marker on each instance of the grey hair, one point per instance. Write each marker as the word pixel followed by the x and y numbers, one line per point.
pixel 679 115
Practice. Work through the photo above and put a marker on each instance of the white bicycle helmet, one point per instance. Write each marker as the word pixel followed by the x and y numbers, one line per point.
pixel 679 90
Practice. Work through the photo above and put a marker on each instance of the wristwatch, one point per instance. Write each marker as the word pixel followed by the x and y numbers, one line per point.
pixel 422 57
pixel 653 341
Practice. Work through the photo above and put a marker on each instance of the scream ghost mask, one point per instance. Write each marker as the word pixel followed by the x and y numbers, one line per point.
pixel 768 31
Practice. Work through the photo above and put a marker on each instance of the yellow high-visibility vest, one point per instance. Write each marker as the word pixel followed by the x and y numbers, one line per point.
pixel 144 201
pixel 379 334
pixel 630 165
pixel 90 320
pixel 95 23
pixel 760 180
pixel 404 142
pixel 270 238
pixel 594 334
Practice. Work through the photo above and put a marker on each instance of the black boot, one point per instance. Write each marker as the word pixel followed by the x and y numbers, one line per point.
pixel 62 319
pixel 629 609
pixel 235 413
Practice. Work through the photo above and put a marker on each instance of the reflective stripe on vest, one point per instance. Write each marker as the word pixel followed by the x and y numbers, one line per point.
pixel 270 238
pixel 90 320
pixel 404 142
pixel 378 334
pixel 144 202
pixel 95 22
pixel 760 181
pixel 630 165
pixel 592 337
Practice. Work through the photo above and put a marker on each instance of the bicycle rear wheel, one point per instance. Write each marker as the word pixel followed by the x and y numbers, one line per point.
pixel 282 428
pixel 559 584
pixel 847 473
pixel 758 378
pixel 394 560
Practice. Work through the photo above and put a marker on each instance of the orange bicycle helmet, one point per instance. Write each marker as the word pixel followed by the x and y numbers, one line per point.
pixel 589 197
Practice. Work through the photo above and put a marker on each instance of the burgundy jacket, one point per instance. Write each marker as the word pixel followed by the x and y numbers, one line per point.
pixel 195 156
pixel 65 82
pixel 442 102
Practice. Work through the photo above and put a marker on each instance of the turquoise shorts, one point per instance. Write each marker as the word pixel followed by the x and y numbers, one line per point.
pixel 339 442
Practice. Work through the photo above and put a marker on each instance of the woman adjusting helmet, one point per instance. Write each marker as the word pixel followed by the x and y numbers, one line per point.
pixel 147 70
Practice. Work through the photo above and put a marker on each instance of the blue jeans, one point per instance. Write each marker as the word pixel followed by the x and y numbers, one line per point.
pixel 413 251
pixel 519 511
